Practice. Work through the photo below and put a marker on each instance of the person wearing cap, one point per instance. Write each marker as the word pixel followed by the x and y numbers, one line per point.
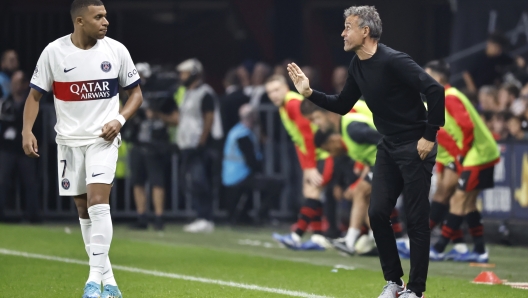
pixel 199 137
pixel 150 152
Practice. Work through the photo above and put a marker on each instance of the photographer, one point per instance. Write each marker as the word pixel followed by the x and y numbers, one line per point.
pixel 151 149
pixel 199 138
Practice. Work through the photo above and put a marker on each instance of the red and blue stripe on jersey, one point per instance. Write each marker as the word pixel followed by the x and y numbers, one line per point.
pixel 86 90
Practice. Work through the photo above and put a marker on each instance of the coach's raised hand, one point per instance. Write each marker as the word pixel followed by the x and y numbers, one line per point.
pixel 300 80
pixel 110 130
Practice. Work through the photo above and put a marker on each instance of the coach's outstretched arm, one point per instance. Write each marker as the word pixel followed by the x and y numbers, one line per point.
pixel 31 109
pixel 340 104
pixel 112 128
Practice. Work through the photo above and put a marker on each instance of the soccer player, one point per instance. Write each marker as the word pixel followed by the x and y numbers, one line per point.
pixel 391 84
pixel 317 165
pixel 355 135
pixel 84 70
pixel 477 154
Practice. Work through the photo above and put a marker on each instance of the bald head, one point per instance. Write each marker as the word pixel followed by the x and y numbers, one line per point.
pixel 246 112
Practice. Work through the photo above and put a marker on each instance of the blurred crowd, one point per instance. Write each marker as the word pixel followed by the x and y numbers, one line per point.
pixel 219 135
pixel 497 83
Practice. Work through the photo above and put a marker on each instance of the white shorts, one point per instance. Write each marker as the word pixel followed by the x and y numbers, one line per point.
pixel 80 166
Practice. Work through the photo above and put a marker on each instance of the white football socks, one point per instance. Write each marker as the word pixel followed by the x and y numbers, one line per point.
pixel 86 230
pixel 99 242
pixel 351 237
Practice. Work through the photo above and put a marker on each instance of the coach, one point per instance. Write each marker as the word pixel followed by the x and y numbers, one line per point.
pixel 391 83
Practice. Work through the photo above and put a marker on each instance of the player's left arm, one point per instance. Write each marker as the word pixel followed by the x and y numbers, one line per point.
pixel 414 76
pixel 128 79
pixel 307 159
pixel 111 129
pixel 459 112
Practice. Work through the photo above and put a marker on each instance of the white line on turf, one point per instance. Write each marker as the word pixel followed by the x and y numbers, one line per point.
pixel 165 274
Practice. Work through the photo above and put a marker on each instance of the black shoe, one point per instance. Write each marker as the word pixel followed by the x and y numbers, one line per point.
pixel 141 224
pixel 159 225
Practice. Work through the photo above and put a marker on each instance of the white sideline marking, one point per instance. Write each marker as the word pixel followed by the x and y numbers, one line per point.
pixel 165 274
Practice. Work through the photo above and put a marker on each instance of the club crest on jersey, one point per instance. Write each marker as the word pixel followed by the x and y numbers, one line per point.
pixel 65 183
pixel 106 66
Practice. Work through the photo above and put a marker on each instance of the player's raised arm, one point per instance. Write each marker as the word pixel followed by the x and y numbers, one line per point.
pixel 31 109
pixel 341 103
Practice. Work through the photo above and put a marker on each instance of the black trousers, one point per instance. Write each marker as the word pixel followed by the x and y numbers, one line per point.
pixel 399 169
pixel 18 167
pixel 198 170
pixel 269 187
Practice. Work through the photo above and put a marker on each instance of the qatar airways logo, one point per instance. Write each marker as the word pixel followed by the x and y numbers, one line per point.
pixel 85 90
pixel 91 90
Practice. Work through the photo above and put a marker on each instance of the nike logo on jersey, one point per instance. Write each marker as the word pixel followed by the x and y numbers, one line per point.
pixel 94 254
pixel 461 182
pixel 66 70
pixel 95 175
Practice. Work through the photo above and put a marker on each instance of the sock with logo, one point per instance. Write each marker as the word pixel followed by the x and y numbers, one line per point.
pixel 476 229
pixel 310 211
pixel 452 224
pixel 86 230
pixel 100 240
pixel 438 213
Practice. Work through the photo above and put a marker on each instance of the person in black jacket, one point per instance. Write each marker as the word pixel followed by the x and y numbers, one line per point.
pixel 13 162
pixel 391 84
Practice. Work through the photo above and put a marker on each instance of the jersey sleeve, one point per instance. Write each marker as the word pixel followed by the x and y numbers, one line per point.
pixel 128 75
pixel 207 104
pixel 446 140
pixel 459 112
pixel 307 159
pixel 42 78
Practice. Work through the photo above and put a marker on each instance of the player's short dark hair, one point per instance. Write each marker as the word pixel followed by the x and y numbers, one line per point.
pixel 77 5
pixel 308 108
pixel 511 89
pixel 321 137
pixel 440 67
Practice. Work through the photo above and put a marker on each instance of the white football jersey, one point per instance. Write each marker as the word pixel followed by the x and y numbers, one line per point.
pixel 85 86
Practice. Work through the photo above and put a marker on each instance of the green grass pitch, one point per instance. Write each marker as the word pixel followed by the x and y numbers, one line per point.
pixel 228 263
